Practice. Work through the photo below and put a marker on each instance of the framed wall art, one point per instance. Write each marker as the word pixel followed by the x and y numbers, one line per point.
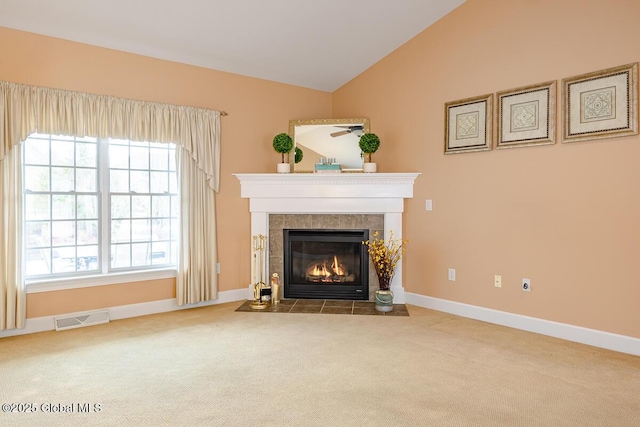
pixel 602 104
pixel 467 125
pixel 527 116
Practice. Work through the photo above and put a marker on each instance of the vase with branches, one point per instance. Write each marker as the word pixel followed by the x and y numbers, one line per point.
pixel 385 256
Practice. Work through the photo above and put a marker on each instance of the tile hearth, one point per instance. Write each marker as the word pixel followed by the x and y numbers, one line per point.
pixel 320 306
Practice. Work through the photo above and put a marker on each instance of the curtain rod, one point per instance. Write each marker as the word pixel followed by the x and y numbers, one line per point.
pixel 224 113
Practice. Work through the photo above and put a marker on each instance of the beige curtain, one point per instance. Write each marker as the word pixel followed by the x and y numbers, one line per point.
pixel 197 277
pixel 12 290
pixel 27 109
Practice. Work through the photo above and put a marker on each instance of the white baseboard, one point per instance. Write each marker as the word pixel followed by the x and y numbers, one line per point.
pixel 46 323
pixel 615 342
pixel 621 343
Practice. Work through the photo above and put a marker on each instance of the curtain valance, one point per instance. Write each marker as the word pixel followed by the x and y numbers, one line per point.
pixel 27 109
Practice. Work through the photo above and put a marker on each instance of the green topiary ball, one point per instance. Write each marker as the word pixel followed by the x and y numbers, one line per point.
pixel 369 143
pixel 282 143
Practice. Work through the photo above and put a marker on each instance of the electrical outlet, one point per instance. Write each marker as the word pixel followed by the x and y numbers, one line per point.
pixel 428 204
pixel 526 285
pixel 452 274
pixel 497 281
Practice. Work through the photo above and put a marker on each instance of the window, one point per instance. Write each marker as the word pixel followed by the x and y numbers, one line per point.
pixel 98 206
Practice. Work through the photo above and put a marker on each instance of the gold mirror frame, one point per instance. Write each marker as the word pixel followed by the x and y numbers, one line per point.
pixel 344 148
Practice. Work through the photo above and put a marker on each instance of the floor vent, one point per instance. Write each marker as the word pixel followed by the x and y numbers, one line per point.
pixel 80 320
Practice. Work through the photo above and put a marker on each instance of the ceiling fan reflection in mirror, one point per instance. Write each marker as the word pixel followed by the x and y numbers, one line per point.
pixel 356 130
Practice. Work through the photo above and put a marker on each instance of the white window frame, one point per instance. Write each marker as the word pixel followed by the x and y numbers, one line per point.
pixel 103 276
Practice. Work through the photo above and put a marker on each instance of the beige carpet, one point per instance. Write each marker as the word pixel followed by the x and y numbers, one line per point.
pixel 217 367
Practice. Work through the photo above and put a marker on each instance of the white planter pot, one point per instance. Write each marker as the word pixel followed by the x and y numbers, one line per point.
pixel 369 167
pixel 284 168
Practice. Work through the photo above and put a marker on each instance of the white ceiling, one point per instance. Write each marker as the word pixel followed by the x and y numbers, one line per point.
pixel 318 44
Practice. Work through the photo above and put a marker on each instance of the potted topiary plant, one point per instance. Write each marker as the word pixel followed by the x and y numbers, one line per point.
pixel 369 143
pixel 298 155
pixel 283 143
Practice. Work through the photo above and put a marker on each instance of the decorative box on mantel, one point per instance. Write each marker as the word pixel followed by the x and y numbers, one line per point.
pixel 345 193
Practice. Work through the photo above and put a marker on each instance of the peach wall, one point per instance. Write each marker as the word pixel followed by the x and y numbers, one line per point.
pixel 56 302
pixel 566 216
pixel 258 110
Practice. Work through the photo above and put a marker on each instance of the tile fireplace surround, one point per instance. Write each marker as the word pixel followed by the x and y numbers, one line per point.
pixel 322 194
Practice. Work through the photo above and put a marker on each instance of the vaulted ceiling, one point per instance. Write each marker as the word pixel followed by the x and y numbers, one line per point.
pixel 315 44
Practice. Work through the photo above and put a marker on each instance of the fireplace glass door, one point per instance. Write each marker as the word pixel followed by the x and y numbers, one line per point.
pixel 326 264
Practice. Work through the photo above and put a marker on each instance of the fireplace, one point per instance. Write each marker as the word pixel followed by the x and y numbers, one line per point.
pixel 326 264
pixel 305 195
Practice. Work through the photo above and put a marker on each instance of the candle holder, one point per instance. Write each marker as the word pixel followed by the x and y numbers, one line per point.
pixel 275 289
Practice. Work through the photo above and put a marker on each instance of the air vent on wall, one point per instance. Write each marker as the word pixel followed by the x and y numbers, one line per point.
pixel 82 319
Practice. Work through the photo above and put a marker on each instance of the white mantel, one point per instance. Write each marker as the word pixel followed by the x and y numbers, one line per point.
pixel 319 193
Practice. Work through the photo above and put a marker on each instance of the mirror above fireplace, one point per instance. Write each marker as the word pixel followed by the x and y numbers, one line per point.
pixel 329 139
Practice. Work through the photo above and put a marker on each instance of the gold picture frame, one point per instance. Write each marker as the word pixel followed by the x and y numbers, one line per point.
pixel 602 104
pixel 468 125
pixel 527 116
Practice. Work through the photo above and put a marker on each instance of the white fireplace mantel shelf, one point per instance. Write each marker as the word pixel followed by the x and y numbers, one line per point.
pixel 325 193
pixel 318 193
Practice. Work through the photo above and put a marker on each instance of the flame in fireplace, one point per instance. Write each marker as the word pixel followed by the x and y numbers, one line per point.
pixel 319 270
pixel 325 272
pixel 337 268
